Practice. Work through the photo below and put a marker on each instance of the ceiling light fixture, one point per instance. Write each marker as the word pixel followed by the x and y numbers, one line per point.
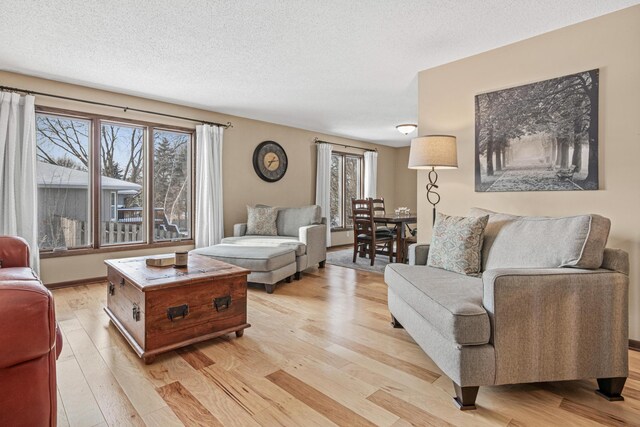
pixel 406 128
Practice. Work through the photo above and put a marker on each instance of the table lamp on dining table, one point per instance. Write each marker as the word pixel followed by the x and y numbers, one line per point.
pixel 433 152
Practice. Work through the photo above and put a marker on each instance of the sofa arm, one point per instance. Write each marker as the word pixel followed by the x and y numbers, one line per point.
pixel 557 324
pixel 418 253
pixel 27 316
pixel 315 237
pixel 616 260
pixel 239 229
pixel 14 252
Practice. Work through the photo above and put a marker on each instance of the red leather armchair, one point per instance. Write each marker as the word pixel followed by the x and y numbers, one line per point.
pixel 30 341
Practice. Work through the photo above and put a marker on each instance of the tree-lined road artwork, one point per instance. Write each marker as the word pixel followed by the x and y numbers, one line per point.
pixel 524 178
pixel 539 137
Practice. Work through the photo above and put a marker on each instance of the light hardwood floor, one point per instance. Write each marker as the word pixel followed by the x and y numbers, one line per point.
pixel 320 352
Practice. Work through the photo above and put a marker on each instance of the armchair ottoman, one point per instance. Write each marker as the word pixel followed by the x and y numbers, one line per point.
pixel 268 265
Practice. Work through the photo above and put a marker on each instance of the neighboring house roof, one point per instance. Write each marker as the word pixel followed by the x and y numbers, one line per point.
pixel 54 176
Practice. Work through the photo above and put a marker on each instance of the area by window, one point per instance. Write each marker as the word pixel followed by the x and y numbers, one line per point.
pixel 346 184
pixel 105 183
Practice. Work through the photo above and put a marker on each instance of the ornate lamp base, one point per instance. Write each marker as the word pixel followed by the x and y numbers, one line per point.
pixel 432 196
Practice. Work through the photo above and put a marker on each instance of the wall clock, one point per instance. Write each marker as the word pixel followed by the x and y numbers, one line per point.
pixel 270 161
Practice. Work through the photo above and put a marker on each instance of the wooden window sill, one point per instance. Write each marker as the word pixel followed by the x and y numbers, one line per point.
pixel 115 248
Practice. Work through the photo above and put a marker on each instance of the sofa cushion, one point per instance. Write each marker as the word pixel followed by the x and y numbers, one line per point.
pixel 280 241
pixel 512 241
pixel 291 219
pixel 450 302
pixel 17 273
pixel 254 258
pixel 261 220
pixel 456 243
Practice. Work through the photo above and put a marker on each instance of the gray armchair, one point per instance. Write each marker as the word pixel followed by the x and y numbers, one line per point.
pixel 302 229
pixel 518 325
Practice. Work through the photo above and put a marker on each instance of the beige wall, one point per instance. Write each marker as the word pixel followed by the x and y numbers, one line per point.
pixel 610 43
pixel 241 185
pixel 406 180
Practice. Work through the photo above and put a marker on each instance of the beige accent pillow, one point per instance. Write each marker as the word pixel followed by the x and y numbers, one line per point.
pixel 261 221
pixel 456 243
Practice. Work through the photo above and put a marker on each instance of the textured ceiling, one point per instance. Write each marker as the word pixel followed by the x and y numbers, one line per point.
pixel 343 67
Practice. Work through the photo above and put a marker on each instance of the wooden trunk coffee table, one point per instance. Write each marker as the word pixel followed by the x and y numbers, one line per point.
pixel 158 309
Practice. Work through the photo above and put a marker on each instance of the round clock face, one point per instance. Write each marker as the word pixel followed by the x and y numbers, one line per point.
pixel 270 161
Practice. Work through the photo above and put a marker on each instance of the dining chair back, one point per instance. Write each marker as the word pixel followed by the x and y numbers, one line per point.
pixel 379 210
pixel 378 207
pixel 366 236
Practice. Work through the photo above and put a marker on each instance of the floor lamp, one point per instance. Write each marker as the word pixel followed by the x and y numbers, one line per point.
pixel 433 152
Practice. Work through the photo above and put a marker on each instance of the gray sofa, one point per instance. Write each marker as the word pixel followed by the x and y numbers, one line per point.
pixel 551 305
pixel 302 229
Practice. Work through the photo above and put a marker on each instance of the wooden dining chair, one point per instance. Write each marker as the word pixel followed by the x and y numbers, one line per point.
pixel 379 210
pixel 366 237
pixel 378 207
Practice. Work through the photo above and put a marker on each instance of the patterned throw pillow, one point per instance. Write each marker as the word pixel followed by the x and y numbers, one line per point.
pixel 261 221
pixel 456 243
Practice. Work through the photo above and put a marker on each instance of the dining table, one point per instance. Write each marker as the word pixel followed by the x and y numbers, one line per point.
pixel 400 223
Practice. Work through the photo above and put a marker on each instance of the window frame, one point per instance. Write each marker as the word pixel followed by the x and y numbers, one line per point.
pixel 346 204
pixel 96 245
pixel 192 186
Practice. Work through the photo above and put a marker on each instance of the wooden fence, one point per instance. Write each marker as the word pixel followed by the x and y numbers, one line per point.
pixel 75 233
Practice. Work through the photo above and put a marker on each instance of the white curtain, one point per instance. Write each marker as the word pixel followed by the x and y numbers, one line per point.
pixel 370 173
pixel 209 209
pixel 323 184
pixel 18 188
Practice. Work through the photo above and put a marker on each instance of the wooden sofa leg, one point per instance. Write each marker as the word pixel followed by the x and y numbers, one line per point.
pixel 465 397
pixel 321 264
pixel 395 323
pixel 269 288
pixel 298 275
pixel 288 279
pixel 611 388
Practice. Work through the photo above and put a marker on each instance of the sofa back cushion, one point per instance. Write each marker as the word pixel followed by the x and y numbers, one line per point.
pixel 512 241
pixel 291 219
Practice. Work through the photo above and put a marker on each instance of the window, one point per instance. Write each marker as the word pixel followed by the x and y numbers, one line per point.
pixel 62 168
pixel 346 184
pixel 135 189
pixel 172 184
pixel 122 171
pixel 336 191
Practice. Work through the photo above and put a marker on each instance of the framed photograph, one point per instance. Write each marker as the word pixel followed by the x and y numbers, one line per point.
pixel 539 137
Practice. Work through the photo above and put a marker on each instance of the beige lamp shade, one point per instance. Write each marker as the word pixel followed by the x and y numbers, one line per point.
pixel 433 151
